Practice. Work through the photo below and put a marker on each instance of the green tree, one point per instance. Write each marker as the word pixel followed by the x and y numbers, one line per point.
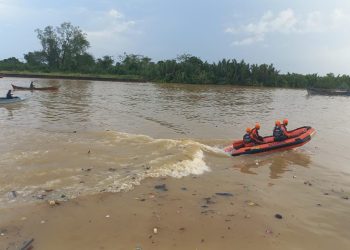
pixel 11 63
pixel 63 45
pixel 86 63
pixel 50 43
pixel 73 43
pixel 105 64
pixel 35 60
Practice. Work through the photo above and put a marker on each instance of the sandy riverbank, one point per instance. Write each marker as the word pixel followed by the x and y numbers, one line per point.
pixel 190 214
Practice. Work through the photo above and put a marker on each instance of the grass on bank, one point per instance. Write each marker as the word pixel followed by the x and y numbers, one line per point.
pixel 74 75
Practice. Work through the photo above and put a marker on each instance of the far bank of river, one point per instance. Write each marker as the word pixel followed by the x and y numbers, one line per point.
pixel 104 77
pixel 139 79
pixel 58 75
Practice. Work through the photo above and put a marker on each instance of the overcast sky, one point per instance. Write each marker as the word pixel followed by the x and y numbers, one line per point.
pixel 303 36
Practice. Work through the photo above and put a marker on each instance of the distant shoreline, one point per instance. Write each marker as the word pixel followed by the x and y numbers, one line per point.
pixel 71 77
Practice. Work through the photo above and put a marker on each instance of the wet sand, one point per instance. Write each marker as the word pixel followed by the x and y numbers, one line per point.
pixel 190 214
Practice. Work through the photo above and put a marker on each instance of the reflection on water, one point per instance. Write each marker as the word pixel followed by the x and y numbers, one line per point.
pixel 71 105
pixel 11 110
pixel 211 103
pixel 278 163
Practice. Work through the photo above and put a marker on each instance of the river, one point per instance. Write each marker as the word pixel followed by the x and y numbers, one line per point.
pixel 92 137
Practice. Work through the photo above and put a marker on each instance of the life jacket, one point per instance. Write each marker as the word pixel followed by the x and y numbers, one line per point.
pixel 254 134
pixel 256 138
pixel 278 134
pixel 284 129
pixel 247 139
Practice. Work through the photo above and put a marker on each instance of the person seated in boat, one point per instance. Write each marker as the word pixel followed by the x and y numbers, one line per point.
pixel 247 139
pixel 256 138
pixel 278 132
pixel 284 127
pixel 9 95
pixel 31 85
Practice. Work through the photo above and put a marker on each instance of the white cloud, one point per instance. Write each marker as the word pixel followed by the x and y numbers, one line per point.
pixel 115 14
pixel 249 40
pixel 110 30
pixel 287 22
pixel 109 24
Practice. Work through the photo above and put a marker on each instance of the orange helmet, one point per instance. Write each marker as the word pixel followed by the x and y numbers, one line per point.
pixel 257 125
pixel 277 123
pixel 248 130
pixel 285 121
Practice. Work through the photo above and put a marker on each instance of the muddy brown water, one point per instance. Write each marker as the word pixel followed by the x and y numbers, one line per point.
pixel 99 148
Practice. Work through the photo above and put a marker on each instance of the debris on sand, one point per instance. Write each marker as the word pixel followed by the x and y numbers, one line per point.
pixel 3 232
pixel 252 204
pixel 224 194
pixel 208 200
pixel 27 244
pixel 278 216
pixel 53 203
pixel 307 183
pixel 161 187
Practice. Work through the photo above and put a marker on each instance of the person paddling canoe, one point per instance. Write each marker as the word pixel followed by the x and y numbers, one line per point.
pixel 9 94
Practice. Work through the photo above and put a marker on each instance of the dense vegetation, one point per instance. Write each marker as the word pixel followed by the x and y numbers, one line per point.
pixel 64 50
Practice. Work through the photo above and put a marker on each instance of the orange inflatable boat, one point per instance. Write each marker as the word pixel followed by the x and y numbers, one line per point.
pixel 298 137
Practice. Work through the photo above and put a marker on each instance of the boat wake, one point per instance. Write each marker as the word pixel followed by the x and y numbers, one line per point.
pixel 64 165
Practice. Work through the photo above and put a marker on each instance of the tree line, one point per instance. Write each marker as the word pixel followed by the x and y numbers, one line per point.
pixel 64 50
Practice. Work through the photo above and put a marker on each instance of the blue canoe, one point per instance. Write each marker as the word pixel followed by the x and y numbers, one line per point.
pixel 4 100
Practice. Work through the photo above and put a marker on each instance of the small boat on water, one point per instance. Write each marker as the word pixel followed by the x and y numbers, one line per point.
pixel 298 137
pixel 320 91
pixel 35 88
pixel 4 100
